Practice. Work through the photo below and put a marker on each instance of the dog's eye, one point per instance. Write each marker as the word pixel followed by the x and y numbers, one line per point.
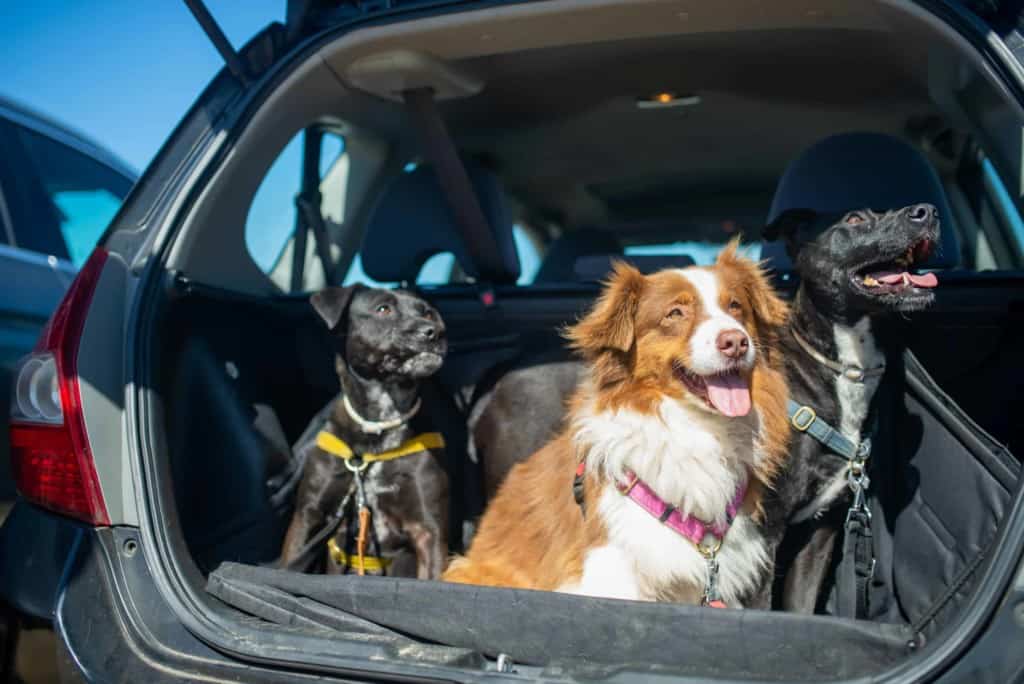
pixel 384 310
pixel 676 312
pixel 854 218
pixel 735 306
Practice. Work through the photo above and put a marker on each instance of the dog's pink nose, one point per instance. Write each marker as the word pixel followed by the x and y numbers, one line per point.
pixel 733 343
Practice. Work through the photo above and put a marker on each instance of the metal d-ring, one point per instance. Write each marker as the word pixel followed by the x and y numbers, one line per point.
pixel 356 464
pixel 709 552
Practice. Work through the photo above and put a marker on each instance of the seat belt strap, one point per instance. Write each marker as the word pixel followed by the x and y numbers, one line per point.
pixel 308 218
pixel 443 156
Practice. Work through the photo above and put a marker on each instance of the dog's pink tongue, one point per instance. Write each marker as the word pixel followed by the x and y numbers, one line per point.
pixel 730 394
pixel 895 277
pixel 924 280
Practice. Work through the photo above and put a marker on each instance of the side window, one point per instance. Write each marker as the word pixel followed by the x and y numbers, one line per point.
pixel 999 210
pixel 270 227
pixel 73 199
pixel 529 255
pixel 987 220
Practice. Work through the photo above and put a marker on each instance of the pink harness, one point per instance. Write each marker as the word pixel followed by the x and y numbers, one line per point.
pixel 690 527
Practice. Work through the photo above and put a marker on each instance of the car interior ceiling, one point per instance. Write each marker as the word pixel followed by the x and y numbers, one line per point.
pixel 558 138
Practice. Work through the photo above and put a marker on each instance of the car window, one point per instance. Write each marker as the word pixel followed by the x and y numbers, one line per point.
pixel 442 269
pixel 77 195
pixel 702 253
pixel 271 223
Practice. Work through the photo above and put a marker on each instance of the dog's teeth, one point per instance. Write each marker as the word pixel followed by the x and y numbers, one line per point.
pixel 870 282
pixel 906 278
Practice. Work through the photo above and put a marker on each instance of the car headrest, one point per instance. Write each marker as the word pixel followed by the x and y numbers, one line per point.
pixel 563 253
pixel 596 268
pixel 862 171
pixel 412 222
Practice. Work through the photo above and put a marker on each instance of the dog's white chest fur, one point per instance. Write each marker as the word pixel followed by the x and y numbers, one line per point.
pixel 693 460
pixel 855 346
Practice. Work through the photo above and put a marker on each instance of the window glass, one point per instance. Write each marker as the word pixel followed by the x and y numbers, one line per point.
pixel 270 224
pixel 529 257
pixel 442 269
pixel 81 198
pixel 703 253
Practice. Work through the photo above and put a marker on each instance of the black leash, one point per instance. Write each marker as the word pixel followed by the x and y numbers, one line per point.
pixel 857 565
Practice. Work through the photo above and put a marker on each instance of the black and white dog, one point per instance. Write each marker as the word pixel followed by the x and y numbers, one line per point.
pixel 854 269
pixel 364 453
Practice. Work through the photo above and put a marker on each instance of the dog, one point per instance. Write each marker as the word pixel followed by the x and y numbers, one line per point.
pixel 855 269
pixel 652 491
pixel 367 455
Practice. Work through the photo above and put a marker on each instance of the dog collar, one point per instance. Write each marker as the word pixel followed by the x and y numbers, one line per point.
pixel 690 527
pixel 335 446
pixel 375 427
pixel 848 371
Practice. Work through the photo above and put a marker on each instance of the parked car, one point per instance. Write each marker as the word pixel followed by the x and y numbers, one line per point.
pixel 58 192
pixel 443 145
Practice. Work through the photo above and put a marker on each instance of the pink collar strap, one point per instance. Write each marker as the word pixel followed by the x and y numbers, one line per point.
pixel 691 527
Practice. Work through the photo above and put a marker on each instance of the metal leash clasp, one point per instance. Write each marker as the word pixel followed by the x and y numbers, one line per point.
pixel 357 465
pixel 711 595
pixel 858 480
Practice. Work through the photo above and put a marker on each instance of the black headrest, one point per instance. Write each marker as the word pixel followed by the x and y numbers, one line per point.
pixel 862 171
pixel 412 222
pixel 564 252
pixel 596 268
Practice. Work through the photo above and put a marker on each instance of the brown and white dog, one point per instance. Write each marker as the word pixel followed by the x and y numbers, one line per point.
pixel 684 389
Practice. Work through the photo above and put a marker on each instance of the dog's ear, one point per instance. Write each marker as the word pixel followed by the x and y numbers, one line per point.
pixel 769 309
pixel 332 303
pixel 611 324
pixel 788 224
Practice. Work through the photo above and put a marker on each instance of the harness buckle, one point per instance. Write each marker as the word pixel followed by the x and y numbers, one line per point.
pixel 864 449
pixel 803 425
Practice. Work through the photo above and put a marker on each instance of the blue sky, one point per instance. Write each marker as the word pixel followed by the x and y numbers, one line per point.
pixel 124 73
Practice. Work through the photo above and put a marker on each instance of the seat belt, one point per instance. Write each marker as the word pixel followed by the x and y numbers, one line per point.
pixel 443 156
pixel 308 217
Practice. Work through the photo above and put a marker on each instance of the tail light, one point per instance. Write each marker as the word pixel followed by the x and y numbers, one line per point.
pixel 50 455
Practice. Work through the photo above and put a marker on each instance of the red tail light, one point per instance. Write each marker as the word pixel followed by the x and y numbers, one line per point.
pixel 50 455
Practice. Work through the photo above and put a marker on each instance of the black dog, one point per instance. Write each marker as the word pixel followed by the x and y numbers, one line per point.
pixel 373 495
pixel 854 269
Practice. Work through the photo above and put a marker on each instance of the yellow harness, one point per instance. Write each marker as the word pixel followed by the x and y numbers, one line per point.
pixel 337 447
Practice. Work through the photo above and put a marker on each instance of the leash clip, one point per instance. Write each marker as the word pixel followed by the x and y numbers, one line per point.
pixel 711 582
pixel 859 482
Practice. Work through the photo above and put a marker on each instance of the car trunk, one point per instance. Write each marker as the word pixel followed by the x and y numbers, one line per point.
pixel 239 369
pixel 257 369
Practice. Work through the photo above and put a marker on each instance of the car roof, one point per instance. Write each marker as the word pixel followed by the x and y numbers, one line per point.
pixel 38 122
